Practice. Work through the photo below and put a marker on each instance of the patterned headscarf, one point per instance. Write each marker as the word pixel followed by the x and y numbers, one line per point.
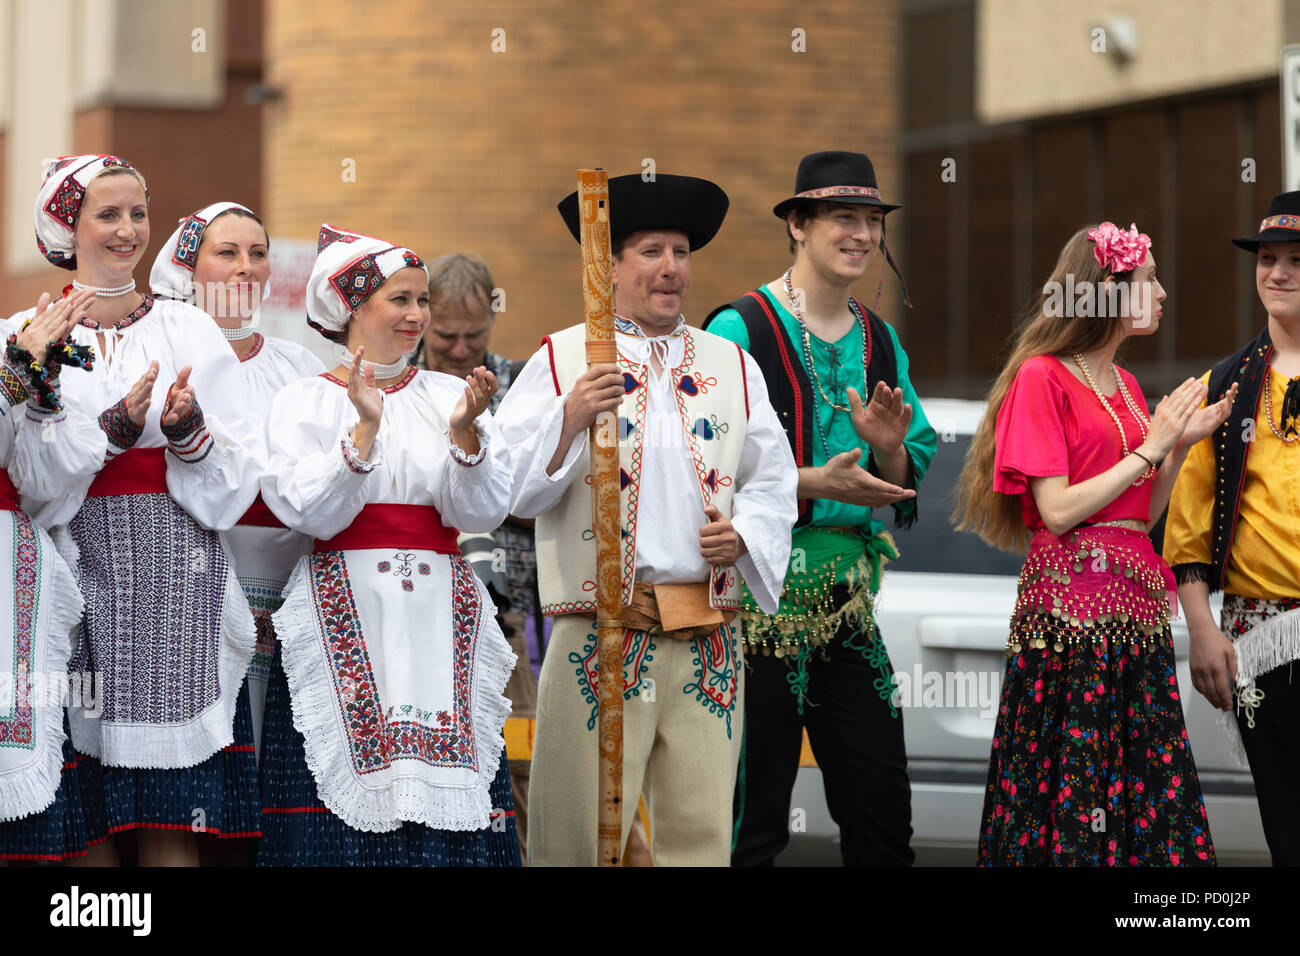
pixel 350 268
pixel 172 274
pixel 58 204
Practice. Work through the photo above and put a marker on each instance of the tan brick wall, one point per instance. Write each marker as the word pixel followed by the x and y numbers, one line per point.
pixel 458 147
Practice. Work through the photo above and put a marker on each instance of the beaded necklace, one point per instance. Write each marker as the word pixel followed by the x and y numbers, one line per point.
pixel 390 370
pixel 1132 407
pixel 1268 410
pixel 812 366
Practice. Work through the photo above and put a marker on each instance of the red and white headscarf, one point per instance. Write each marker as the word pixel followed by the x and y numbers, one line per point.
pixel 350 268
pixel 58 204
pixel 172 274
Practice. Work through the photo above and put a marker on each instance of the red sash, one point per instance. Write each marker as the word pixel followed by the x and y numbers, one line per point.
pixel 395 526
pixel 260 515
pixel 136 471
pixel 8 493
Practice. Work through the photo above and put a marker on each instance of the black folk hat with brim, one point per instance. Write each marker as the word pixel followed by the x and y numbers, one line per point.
pixel 835 176
pixel 680 203
pixel 1282 224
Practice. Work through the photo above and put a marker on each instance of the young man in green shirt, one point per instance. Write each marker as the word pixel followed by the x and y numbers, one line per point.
pixel 837 377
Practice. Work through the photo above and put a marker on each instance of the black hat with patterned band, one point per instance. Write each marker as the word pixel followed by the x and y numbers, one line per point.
pixel 835 176
pixel 1282 224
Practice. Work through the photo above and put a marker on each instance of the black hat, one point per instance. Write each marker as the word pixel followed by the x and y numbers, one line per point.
pixel 835 176
pixel 1282 224
pixel 681 203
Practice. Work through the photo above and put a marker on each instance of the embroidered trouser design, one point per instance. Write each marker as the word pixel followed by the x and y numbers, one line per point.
pixel 677 750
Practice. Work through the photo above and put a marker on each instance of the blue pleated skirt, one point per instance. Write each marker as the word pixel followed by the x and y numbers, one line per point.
pixel 299 830
pixel 218 797
pixel 69 826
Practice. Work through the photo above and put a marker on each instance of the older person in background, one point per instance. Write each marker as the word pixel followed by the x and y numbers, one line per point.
pixel 463 304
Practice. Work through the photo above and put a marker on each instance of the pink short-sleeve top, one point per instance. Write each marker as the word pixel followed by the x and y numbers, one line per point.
pixel 1050 423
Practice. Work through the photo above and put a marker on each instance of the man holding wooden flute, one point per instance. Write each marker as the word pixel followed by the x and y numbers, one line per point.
pixel 707 502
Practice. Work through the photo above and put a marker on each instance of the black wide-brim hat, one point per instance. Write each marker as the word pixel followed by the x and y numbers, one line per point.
pixel 681 203
pixel 835 176
pixel 1282 224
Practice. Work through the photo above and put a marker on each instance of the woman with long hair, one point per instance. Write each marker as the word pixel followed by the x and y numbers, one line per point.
pixel 166 626
pixel 1090 762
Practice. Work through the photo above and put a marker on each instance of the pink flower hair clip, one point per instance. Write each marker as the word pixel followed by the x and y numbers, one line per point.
pixel 1119 251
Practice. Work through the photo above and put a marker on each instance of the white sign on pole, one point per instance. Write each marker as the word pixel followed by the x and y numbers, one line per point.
pixel 1291 117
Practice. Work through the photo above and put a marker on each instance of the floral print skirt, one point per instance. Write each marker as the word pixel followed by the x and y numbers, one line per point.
pixel 1090 763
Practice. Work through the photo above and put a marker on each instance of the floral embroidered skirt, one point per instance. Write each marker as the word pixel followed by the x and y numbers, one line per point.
pixel 1090 764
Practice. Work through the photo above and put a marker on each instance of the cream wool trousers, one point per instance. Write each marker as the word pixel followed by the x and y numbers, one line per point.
pixel 683 707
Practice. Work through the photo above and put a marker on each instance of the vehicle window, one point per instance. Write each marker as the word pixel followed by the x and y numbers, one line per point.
pixel 933 544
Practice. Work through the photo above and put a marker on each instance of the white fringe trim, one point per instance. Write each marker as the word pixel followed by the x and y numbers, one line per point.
pixel 176 746
pixel 31 789
pixel 405 799
pixel 1260 650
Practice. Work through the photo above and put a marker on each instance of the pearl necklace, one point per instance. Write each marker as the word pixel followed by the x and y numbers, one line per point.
pixel 391 370
pixel 105 292
pixel 1132 407
pixel 1268 410
pixel 243 332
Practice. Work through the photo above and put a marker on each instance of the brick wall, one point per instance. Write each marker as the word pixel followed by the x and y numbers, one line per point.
pixel 458 147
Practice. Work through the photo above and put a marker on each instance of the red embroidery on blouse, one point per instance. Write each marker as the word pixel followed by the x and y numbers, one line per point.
pixel 400 384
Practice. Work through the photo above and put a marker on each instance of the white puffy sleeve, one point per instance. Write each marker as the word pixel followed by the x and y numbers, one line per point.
pixel 55 454
pixel 530 419
pixel 471 493
pixel 56 457
pixel 316 482
pixel 212 459
pixel 764 508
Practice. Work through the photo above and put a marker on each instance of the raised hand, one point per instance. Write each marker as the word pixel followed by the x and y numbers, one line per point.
pixel 883 422
pixel 720 544
pixel 482 385
pixel 1172 416
pixel 843 479
pixel 137 399
pixel 181 399
pixel 52 322
pixel 1205 421
pixel 365 397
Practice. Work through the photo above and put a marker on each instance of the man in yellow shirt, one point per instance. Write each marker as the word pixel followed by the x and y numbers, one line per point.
pixel 1234 525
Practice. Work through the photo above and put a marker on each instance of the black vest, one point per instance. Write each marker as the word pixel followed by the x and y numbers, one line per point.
pixel 790 390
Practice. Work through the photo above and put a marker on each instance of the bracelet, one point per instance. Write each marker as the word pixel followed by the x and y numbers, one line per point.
pixel 1143 457
pixel 39 385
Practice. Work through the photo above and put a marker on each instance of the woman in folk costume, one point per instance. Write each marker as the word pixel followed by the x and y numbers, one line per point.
pixel 1090 763
pixel 166 625
pixel 391 753
pixel 44 815
pixel 219 259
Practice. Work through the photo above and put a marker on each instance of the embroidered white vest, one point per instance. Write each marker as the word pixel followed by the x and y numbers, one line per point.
pixel 712 400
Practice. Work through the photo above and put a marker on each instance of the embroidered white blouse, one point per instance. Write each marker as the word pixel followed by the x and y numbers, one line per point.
pixel 394 660
pixel 206 478
pixel 764 508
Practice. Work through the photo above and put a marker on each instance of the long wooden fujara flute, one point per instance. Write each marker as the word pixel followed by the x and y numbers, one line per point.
pixel 598 298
